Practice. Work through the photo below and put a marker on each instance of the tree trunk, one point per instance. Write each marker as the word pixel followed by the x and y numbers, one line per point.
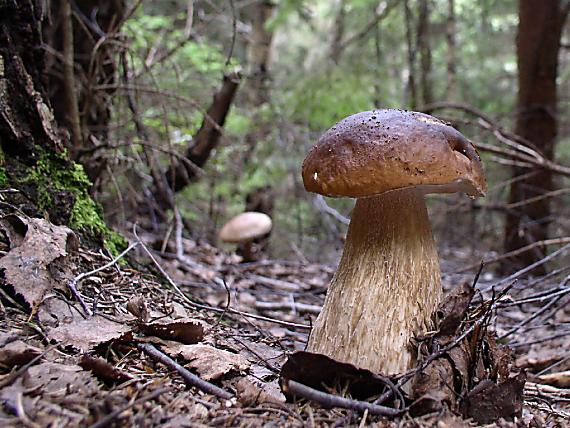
pixel 538 44
pixel 34 160
pixel 451 89
pixel 181 173
pixel 338 33
pixel 423 41
pixel 81 57
pixel 257 88
pixel 411 84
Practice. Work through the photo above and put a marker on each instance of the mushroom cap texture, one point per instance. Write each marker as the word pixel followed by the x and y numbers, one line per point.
pixel 245 227
pixel 376 151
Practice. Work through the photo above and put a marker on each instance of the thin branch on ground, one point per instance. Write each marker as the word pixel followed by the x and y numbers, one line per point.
pixel 543 243
pixel 190 378
pixel 329 400
pixel 207 307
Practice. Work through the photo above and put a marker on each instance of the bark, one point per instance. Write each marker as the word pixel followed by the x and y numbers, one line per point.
pixel 451 89
pixel 423 42
pixel 32 150
pixel 411 84
pixel 538 44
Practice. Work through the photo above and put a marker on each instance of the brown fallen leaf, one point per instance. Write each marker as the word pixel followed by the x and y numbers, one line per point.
pixel 251 391
pixel 50 391
pixel 320 372
pixel 488 401
pixel 184 331
pixel 210 363
pixel 103 370
pixel 17 353
pixel 34 245
pixel 86 334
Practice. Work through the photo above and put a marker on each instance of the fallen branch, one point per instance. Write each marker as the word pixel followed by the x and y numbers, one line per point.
pixel 190 378
pixel 329 400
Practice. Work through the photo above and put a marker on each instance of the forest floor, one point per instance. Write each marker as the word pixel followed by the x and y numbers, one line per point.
pixel 92 350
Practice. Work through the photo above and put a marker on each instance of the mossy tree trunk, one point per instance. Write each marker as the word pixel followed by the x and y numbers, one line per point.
pixel 35 162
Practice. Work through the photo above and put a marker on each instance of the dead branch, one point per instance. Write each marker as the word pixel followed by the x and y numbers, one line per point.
pixel 292 306
pixel 72 106
pixel 546 242
pixel 190 378
pixel 326 208
pixel 519 148
pixel 329 400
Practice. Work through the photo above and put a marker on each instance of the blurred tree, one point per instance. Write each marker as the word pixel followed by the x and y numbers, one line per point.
pixel 80 70
pixel 424 46
pixel 538 45
pixel 450 33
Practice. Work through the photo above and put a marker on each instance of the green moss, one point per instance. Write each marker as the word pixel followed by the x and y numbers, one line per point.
pixel 53 174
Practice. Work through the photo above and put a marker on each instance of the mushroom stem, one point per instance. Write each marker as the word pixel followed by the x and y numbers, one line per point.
pixel 386 287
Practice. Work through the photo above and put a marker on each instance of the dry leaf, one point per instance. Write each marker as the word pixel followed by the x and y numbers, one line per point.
pixel 210 363
pixel 488 401
pixel 35 244
pixel 251 391
pixel 17 353
pixel 103 369
pixel 187 332
pixel 86 334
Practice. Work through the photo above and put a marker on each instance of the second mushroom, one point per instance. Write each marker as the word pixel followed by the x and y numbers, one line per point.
pixel 387 285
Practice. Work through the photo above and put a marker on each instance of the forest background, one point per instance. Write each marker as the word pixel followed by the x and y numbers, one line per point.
pixel 169 118
pixel 298 67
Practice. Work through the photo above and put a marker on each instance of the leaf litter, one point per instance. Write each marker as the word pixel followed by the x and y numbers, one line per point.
pixel 96 373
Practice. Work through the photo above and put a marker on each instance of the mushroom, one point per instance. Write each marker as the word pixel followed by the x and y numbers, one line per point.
pixel 244 228
pixel 387 285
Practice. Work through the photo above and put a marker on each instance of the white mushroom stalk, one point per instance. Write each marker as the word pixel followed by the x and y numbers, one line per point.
pixel 386 286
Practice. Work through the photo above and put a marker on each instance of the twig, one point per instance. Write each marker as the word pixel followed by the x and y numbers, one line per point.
pixel 541 340
pixel 329 400
pixel 72 285
pixel 293 306
pixel 532 317
pixel 190 378
pixel 530 267
pixel 103 422
pixel 546 242
pixel 326 208
pixel 206 307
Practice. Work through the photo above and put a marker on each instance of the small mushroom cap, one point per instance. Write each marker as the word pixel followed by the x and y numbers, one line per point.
pixel 245 227
pixel 373 152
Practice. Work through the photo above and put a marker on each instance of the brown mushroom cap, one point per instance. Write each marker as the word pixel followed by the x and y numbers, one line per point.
pixel 376 151
pixel 245 227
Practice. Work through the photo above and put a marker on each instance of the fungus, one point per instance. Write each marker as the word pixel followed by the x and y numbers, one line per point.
pixel 387 285
pixel 244 228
